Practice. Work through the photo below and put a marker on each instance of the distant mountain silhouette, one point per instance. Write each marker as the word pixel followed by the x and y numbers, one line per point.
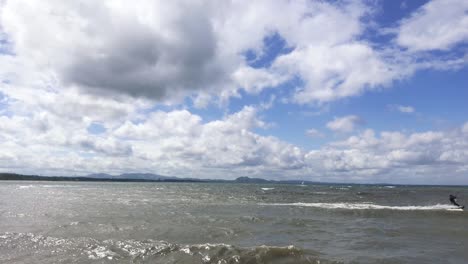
pixel 97 177
pixel 100 175
pixel 251 180
pixel 149 177
pixel 140 176
pixel 145 176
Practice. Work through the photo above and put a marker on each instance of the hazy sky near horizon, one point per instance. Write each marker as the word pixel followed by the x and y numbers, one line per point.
pixel 349 91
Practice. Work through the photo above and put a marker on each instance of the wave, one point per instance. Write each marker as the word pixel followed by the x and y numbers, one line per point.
pixel 57 186
pixel 268 189
pixel 146 251
pixel 370 206
pixel 25 186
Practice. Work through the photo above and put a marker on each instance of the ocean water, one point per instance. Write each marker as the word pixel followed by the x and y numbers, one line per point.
pixel 89 222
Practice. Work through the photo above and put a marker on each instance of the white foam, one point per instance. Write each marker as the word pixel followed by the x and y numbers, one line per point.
pixel 186 250
pixel 25 186
pixel 56 186
pixel 455 209
pixel 101 252
pixel 370 206
pixel 340 188
pixel 267 189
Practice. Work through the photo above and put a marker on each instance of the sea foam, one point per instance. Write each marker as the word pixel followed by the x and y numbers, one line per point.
pixel 370 206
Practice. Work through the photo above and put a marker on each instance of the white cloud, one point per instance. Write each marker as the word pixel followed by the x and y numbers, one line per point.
pixel 69 65
pixel 314 133
pixel 255 80
pixel 438 25
pixel 181 137
pixel 338 71
pixel 153 49
pixel 332 66
pixel 402 108
pixel 345 123
pixel 406 109
pixel 181 143
pixel 465 128
pixel 173 143
pixel 395 157
pixel 168 50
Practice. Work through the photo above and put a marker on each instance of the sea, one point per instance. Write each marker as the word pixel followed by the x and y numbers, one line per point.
pixel 110 222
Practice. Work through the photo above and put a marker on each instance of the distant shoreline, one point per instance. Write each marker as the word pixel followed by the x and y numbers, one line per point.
pixel 20 177
pixel 158 178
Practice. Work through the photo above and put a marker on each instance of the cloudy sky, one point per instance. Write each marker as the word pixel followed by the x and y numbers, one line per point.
pixel 342 91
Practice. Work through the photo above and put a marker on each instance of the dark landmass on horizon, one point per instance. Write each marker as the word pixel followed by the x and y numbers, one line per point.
pixel 135 177
pixel 142 177
pixel 149 177
pixel 93 178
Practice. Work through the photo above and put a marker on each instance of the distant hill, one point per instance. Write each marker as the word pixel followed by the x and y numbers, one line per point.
pixel 125 177
pixel 140 177
pixel 145 176
pixel 149 177
pixel 91 177
pixel 251 180
pixel 100 175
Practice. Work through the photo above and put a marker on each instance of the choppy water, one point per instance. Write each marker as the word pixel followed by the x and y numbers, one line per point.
pixel 68 222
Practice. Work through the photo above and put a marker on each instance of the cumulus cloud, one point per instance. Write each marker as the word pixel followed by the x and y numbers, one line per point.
pixel 173 143
pixel 338 71
pixel 67 65
pixel 331 66
pixel 438 25
pixel 228 143
pixel 181 143
pixel 392 155
pixel 153 49
pixel 345 124
pixel 167 50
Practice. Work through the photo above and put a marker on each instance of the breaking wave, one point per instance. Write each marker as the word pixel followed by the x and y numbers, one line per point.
pixel 25 186
pixel 370 206
pixel 147 251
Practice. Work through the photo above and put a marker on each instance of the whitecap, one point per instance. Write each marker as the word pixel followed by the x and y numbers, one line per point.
pixel 186 250
pixel 101 252
pixel 268 189
pixel 370 206
pixel 56 186
pixel 25 186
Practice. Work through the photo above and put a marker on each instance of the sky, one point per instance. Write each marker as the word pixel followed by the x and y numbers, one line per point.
pixel 332 91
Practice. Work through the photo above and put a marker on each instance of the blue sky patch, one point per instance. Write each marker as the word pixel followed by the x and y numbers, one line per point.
pixel 96 129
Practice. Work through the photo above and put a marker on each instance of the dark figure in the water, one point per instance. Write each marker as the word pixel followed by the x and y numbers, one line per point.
pixel 453 200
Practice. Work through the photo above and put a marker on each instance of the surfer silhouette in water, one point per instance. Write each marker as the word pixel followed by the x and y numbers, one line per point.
pixel 453 200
